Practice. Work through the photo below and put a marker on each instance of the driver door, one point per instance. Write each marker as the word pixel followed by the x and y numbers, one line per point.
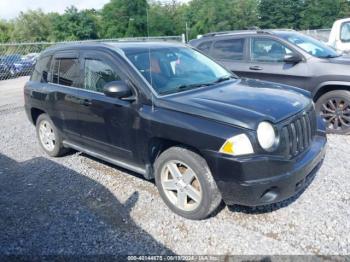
pixel 106 122
pixel 266 62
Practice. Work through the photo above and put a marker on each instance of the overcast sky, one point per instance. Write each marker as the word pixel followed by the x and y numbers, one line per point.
pixel 11 8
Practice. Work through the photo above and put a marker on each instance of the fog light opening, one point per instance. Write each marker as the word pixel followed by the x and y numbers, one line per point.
pixel 269 195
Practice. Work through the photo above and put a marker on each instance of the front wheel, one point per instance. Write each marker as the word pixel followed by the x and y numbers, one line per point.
pixel 185 183
pixel 334 108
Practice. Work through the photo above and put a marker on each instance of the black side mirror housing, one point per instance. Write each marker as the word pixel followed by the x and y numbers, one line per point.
pixel 293 58
pixel 117 89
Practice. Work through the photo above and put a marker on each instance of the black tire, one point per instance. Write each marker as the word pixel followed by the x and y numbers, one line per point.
pixel 58 149
pixel 334 108
pixel 210 195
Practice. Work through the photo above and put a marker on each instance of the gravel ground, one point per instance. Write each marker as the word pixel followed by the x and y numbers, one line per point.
pixel 79 205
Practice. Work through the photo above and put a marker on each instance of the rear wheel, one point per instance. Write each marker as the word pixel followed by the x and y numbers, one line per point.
pixel 334 108
pixel 49 137
pixel 185 183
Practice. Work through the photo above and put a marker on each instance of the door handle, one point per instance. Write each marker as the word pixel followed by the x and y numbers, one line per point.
pixel 256 68
pixel 86 102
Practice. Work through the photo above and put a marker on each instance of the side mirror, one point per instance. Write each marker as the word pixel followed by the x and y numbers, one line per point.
pixel 293 58
pixel 117 89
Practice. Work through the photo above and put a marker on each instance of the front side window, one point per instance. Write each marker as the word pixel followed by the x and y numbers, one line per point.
pixel 345 32
pixel 174 69
pixel 268 50
pixel 310 45
pixel 231 49
pixel 66 72
pixel 97 74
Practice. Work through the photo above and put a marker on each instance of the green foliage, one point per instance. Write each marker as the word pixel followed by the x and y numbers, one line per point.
pixel 5 31
pixel 122 18
pixel 220 15
pixel 344 9
pixel 167 18
pixel 74 25
pixel 280 13
pixel 32 26
pixel 323 13
pixel 128 18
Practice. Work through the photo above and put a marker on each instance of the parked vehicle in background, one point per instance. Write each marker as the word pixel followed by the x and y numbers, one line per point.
pixel 288 57
pixel 4 70
pixel 174 115
pixel 339 37
pixel 18 66
pixel 31 57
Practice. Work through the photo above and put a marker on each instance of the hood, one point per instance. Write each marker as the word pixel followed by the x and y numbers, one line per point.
pixel 243 103
pixel 343 60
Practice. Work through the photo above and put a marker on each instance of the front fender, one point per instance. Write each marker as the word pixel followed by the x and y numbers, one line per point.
pixel 330 83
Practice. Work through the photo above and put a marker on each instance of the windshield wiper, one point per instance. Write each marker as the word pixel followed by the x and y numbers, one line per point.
pixel 197 85
pixel 331 56
pixel 223 78
pixel 186 87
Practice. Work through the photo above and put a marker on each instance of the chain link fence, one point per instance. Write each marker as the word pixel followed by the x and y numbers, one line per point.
pixel 19 59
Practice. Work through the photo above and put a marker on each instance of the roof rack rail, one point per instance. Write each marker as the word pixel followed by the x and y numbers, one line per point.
pixel 224 33
pixel 251 29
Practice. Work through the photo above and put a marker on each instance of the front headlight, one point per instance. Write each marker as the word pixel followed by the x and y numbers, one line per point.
pixel 237 146
pixel 267 136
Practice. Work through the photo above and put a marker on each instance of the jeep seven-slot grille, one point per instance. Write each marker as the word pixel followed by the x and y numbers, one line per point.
pixel 299 132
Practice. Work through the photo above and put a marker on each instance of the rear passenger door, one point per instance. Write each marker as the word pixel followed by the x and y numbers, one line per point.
pixel 65 83
pixel 231 52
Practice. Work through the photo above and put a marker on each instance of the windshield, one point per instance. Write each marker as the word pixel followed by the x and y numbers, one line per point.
pixel 175 69
pixel 310 45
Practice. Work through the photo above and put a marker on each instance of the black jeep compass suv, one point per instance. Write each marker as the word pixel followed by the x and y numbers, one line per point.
pixel 174 115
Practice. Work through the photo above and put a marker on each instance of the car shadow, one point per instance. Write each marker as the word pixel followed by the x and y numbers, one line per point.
pixel 49 209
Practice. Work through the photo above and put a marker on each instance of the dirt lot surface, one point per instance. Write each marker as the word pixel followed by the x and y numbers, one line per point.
pixel 79 205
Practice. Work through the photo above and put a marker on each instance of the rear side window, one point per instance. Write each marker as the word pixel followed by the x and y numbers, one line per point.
pixel 66 72
pixel 232 49
pixel 205 47
pixel 97 74
pixel 42 68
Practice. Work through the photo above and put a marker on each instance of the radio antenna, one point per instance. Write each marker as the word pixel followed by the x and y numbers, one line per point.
pixel 149 59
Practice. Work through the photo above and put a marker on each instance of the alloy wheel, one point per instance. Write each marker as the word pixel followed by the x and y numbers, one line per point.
pixel 47 135
pixel 336 113
pixel 181 186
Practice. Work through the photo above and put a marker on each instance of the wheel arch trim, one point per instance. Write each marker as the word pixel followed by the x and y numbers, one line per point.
pixel 323 85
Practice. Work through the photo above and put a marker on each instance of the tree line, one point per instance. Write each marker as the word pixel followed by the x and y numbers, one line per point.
pixel 125 18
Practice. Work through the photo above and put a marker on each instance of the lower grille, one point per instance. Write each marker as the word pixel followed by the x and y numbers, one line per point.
pixel 299 133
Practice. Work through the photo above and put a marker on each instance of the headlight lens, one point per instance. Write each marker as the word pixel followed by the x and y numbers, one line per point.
pixel 267 136
pixel 237 145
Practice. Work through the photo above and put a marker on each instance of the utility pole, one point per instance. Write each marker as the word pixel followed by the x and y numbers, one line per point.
pixel 187 29
pixel 147 22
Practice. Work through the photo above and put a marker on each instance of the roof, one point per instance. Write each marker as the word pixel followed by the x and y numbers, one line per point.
pixel 223 34
pixel 121 46
pixel 340 21
pixel 247 32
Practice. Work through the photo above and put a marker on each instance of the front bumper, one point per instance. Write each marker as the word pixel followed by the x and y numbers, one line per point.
pixel 261 180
